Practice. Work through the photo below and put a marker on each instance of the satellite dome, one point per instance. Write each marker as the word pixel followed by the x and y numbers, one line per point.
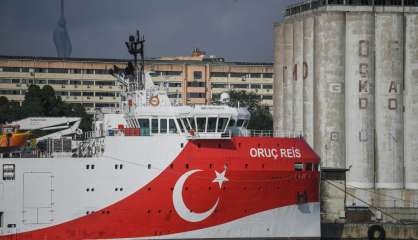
pixel 224 97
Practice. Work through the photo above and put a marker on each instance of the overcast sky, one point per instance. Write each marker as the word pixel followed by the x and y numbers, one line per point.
pixel 240 30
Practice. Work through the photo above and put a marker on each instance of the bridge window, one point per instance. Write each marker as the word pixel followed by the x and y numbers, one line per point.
pixel 222 124
pixel 154 125
pixel 212 124
pixel 184 126
pixel 298 166
pixel 201 124
pixel 187 123
pixel 143 122
pixel 192 123
pixel 232 123
pixel 240 122
pixel 172 126
pixel 163 125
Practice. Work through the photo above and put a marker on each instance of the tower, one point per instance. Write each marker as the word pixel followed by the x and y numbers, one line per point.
pixel 61 37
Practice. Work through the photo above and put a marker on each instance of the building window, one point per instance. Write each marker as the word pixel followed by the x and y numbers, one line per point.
pixel 267 75
pixel 219 85
pixel 237 75
pixel 104 105
pixel 267 97
pixel 90 94
pixel 255 75
pixel 75 82
pixel 242 86
pixel 105 83
pixel 41 70
pixel 219 74
pixel 174 95
pixel 88 82
pixel 1 219
pixel 174 84
pixel 40 81
pixel 9 92
pixel 58 82
pixel 75 94
pixel 196 95
pixel 105 94
pixel 196 84
pixel 267 86
pixel 197 75
pixel 60 93
pixel 255 86
pixel 57 70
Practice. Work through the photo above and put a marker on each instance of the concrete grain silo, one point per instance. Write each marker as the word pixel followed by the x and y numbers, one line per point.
pixel 346 73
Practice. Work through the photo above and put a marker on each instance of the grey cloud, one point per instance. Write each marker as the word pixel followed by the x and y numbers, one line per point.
pixel 235 29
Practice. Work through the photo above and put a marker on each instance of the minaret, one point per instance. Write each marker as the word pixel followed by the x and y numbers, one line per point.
pixel 61 38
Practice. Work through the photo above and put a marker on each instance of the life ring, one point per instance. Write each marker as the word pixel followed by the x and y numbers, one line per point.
pixel 376 232
pixel 154 101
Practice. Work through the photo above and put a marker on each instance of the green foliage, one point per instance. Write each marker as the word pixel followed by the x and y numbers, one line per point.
pixel 43 103
pixel 261 118
pixel 7 110
pixel 245 99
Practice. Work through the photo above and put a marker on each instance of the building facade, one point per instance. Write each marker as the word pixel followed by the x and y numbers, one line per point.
pixel 190 80
pixel 346 75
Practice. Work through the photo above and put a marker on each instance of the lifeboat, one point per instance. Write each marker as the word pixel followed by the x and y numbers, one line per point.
pixel 11 137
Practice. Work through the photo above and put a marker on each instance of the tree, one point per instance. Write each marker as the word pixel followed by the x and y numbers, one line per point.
pixel 7 110
pixel 43 103
pixel 244 99
pixel 261 118
pixel 32 105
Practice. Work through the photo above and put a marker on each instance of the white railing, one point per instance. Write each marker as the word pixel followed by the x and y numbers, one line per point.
pixel 270 133
pixel 209 135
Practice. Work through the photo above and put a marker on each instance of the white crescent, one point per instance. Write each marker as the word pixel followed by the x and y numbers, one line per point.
pixel 181 207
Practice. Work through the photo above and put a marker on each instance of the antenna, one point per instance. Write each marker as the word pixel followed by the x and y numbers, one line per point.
pixel 135 46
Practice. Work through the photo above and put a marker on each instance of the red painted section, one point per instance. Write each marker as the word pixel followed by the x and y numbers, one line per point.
pixel 255 184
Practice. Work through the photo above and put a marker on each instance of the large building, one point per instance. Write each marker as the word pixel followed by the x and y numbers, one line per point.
pixel 190 79
pixel 346 75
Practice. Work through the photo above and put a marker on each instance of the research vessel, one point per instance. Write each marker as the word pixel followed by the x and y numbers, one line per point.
pixel 155 169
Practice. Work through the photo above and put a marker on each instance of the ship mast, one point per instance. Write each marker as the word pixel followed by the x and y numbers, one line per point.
pixel 135 46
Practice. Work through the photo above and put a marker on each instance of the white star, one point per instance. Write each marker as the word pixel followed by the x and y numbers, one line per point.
pixel 220 178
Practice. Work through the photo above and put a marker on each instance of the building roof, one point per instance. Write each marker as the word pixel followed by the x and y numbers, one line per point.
pixel 149 61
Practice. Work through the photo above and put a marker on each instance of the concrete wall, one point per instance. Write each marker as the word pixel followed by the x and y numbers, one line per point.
pixel 329 70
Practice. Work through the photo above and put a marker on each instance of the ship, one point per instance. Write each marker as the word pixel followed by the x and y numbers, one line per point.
pixel 155 169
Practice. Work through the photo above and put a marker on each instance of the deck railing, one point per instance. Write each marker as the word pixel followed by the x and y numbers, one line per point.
pixel 271 133
pixel 206 135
